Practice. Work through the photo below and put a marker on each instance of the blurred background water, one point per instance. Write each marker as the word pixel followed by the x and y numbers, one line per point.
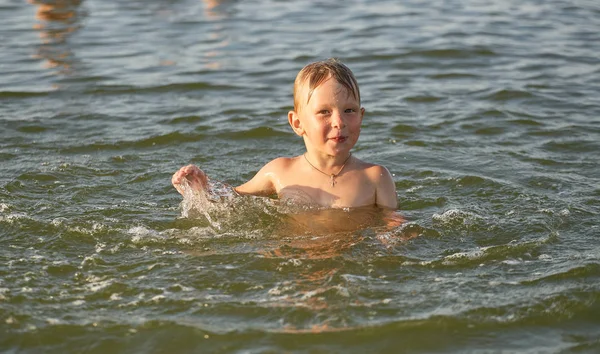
pixel 486 112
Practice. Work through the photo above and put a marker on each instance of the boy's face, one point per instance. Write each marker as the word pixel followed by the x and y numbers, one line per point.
pixel 330 121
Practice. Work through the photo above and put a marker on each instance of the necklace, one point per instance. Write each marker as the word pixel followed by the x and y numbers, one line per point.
pixel 333 175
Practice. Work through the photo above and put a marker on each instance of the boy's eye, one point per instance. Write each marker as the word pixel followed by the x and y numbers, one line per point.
pixel 350 110
pixel 323 112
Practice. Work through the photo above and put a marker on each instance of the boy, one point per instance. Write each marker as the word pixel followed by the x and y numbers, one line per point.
pixel 327 115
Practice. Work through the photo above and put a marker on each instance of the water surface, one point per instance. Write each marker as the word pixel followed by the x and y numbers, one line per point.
pixel 485 112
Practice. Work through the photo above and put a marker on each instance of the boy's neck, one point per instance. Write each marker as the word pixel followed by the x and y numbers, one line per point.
pixel 326 162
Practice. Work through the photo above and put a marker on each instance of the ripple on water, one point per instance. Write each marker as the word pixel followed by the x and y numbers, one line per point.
pixel 172 138
pixel 403 130
pixel 255 133
pixel 454 76
pixel 32 129
pixel 508 95
pixel 177 87
pixel 423 99
pixel 23 94
pixel 527 122
pixel 193 119
pixel 456 219
pixel 577 146
pixel 512 253
pixel 560 277
pixel 453 53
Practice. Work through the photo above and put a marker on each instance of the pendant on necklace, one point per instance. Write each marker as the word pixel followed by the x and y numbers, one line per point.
pixel 333 175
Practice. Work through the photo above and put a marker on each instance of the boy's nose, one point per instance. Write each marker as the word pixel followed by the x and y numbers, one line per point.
pixel 337 121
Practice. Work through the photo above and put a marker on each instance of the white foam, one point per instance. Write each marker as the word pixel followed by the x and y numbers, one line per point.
pixel 454 215
pixel 141 233
pixel 282 288
pixel 96 286
pixel 274 291
pixel 11 218
pixel 58 221
pixel 342 291
pixel 293 262
pixel 100 247
pixel 182 287
pixel 474 254
pixel 414 189
pixel 158 298
pixel 87 230
pixel 512 261
pixel 89 260
pixel 53 321
pixel 131 303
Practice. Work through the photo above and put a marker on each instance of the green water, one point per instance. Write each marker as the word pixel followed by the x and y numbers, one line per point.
pixel 485 112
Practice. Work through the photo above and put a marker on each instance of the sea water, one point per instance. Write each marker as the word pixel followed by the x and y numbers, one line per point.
pixel 485 112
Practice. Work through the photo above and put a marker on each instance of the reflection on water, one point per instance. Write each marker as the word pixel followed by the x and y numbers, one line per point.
pixel 314 245
pixel 216 9
pixel 57 21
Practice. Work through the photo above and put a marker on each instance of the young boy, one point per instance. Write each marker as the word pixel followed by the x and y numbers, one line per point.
pixel 327 115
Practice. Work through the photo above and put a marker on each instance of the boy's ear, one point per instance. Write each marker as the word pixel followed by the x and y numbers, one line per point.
pixel 362 113
pixel 295 123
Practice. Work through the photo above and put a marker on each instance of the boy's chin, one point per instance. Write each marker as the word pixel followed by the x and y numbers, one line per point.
pixel 339 152
pixel 342 148
pixel 334 149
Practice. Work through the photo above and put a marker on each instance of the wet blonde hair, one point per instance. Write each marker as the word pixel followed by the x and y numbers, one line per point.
pixel 314 74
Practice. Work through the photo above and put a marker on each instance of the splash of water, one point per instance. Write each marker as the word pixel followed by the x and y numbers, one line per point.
pixel 225 209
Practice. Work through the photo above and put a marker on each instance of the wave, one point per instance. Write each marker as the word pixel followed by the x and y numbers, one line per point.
pixel 176 87
pixel 23 94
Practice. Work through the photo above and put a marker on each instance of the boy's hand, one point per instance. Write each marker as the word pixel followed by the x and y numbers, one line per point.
pixel 195 177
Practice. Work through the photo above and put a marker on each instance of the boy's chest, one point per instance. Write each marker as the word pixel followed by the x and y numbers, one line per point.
pixel 346 192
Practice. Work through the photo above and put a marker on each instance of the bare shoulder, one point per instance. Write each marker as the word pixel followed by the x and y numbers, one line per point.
pixel 374 172
pixel 279 164
pixel 263 182
pixel 385 187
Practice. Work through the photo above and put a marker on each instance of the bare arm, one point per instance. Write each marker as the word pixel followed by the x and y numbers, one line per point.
pixel 262 184
pixel 386 189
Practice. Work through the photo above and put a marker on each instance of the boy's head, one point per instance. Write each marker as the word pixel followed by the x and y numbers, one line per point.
pixel 314 74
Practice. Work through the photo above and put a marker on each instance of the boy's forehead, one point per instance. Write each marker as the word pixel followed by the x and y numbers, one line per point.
pixel 306 90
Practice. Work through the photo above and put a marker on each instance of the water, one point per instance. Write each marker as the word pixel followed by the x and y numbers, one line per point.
pixel 486 113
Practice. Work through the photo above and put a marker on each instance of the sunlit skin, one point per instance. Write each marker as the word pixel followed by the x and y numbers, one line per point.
pixel 329 123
